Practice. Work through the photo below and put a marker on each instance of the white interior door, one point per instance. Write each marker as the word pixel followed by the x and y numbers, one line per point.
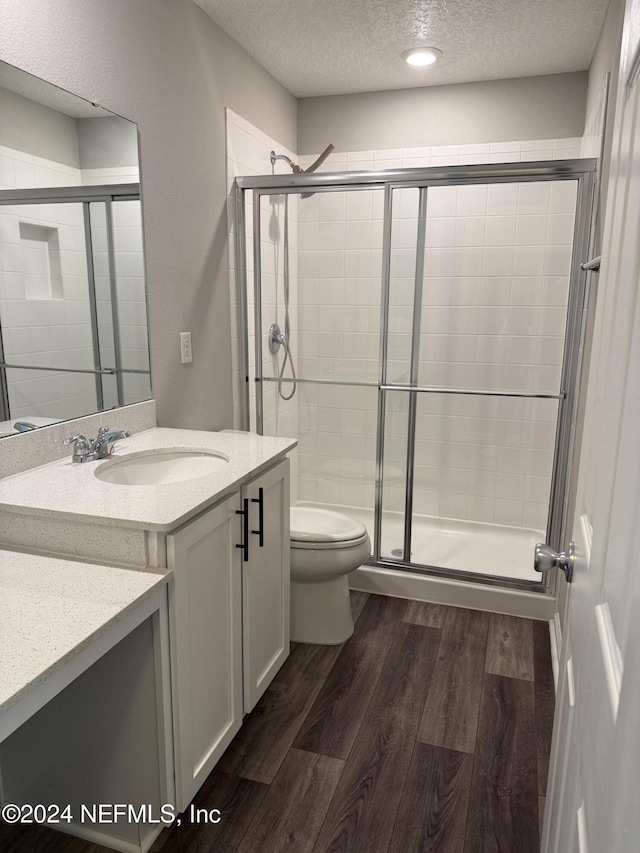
pixel 595 763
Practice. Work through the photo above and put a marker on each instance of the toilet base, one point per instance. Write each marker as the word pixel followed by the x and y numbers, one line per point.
pixel 321 612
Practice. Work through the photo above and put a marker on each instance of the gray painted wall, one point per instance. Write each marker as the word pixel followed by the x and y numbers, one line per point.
pixel 107 142
pixel 37 130
pixel 85 143
pixel 607 54
pixel 493 111
pixel 166 66
pixel 606 60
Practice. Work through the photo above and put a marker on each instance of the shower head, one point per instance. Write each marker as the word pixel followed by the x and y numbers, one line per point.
pixel 294 166
pixel 316 164
pixel 297 169
pixel 320 159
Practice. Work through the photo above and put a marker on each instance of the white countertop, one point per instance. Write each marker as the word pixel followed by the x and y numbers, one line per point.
pixel 51 610
pixel 65 489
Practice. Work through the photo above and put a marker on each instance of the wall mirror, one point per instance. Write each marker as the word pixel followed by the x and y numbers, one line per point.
pixel 73 318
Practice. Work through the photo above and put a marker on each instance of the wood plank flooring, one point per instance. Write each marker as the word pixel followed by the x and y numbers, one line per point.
pixel 450 717
pixel 428 731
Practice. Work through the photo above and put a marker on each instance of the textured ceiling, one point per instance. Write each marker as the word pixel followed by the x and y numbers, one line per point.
pixel 327 47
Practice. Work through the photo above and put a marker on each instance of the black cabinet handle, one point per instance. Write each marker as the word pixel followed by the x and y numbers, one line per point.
pixel 260 531
pixel 244 545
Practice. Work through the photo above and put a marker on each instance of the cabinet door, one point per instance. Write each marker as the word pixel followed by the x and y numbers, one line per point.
pixel 206 642
pixel 265 582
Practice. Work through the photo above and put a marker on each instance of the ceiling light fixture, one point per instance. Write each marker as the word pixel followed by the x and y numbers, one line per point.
pixel 421 56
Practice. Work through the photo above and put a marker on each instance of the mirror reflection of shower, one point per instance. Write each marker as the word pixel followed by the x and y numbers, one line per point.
pixel 277 337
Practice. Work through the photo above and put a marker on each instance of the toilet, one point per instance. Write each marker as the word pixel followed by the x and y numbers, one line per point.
pixel 325 547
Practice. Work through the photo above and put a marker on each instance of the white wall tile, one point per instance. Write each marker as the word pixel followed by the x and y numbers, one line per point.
pixel 510 486
pixel 531 230
pixel 472 201
pixel 502 199
pixel 498 261
pixel 500 231
pixel 533 198
pixel 563 196
pixel 560 229
pixel 468 231
pixel 529 260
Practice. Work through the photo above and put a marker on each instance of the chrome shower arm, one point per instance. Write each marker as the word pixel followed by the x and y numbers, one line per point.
pixel 274 157
pixel 295 167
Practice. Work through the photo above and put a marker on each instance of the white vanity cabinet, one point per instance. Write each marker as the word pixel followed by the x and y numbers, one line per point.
pixel 229 619
pixel 205 625
pixel 225 535
pixel 265 581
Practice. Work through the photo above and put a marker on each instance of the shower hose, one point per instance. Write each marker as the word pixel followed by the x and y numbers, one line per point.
pixel 284 339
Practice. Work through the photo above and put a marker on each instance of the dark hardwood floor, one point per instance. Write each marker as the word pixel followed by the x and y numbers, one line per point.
pixel 428 731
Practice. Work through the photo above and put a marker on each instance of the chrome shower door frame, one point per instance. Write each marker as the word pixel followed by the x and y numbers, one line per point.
pixel 583 171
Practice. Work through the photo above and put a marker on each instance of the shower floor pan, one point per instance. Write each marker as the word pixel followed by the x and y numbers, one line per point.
pixel 450 543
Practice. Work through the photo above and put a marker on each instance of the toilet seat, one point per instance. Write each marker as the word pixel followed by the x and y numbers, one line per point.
pixel 324 529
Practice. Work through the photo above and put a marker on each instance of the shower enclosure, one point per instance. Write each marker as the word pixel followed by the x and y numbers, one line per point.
pixel 73 332
pixel 436 324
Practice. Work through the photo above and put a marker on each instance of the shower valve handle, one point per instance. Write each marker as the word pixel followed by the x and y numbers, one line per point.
pixel 276 338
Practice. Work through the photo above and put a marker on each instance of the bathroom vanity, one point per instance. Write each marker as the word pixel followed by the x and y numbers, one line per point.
pixel 85 711
pixel 211 512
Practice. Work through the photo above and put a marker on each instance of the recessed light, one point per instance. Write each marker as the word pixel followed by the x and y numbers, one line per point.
pixel 422 55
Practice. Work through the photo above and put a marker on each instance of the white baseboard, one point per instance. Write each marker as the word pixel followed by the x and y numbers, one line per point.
pixel 418 587
pixel 88 833
pixel 148 834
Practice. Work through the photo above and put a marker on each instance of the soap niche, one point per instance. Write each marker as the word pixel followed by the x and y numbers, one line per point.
pixel 41 261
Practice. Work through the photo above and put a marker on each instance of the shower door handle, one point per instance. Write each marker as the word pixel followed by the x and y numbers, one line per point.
pixel 547 559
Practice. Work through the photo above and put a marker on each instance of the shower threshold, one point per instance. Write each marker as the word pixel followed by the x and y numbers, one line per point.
pixel 450 543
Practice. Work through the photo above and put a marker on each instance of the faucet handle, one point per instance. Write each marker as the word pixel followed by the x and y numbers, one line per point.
pixel 81 450
pixel 102 445
pixel 79 438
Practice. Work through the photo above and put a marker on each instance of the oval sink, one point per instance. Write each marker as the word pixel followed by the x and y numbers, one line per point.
pixel 160 468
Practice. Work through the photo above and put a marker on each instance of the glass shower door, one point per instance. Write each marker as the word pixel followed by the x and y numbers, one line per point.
pixel 436 343
pixel 404 223
pixel 317 258
pixel 477 373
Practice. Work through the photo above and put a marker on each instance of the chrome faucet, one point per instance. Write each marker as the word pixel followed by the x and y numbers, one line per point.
pixel 88 450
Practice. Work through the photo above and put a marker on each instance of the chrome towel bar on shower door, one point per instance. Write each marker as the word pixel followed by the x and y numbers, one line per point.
pixel 593 265
pixel 419 389
pixel 476 393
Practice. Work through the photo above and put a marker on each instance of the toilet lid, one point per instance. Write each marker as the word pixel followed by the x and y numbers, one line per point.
pixel 313 524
